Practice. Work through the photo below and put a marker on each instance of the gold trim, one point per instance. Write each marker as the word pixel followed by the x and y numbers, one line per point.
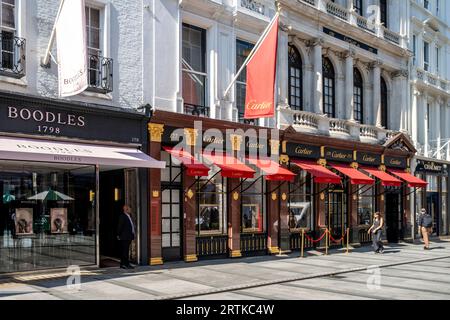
pixel 408 170
pixel 274 196
pixel 274 146
pixel 191 136
pixel 408 161
pixel 155 131
pixel 284 196
pixel 274 250
pixel 235 254
pixel 354 165
pixel 355 155
pixel 322 196
pixel 382 159
pixel 322 152
pixel 236 141
pixel 284 159
pixel 322 162
pixel 382 168
pixel 155 194
pixel 236 196
pixel 156 261
pixel 190 193
pixel 190 258
pixel 284 146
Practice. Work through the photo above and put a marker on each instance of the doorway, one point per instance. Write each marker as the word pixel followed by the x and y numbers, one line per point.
pixel 393 216
pixel 112 199
pixel 337 213
pixel 171 223
pixel 433 208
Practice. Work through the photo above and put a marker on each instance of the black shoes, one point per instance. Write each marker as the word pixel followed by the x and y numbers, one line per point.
pixel 126 267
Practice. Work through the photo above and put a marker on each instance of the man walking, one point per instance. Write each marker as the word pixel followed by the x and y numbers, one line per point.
pixel 425 226
pixel 125 234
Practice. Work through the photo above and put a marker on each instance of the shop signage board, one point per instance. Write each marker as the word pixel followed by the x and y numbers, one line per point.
pixel 431 167
pixel 368 158
pixel 395 162
pixel 298 150
pixel 338 155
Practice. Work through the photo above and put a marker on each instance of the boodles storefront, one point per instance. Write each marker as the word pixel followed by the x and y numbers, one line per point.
pixel 66 170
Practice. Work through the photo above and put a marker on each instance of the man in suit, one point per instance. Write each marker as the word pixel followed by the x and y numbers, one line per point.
pixel 125 233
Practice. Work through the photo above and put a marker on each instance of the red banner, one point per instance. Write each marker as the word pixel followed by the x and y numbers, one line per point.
pixel 260 97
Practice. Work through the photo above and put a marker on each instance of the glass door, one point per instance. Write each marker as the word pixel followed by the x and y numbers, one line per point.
pixel 171 222
pixel 337 213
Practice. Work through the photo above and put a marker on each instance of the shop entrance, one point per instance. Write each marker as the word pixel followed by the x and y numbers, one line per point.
pixel 393 216
pixel 171 223
pixel 112 185
pixel 433 208
pixel 337 213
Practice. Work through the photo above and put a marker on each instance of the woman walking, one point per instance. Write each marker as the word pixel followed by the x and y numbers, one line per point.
pixel 377 231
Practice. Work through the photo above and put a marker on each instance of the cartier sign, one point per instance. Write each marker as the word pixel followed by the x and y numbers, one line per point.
pixel 339 155
pixel 302 151
pixel 395 162
pixel 369 158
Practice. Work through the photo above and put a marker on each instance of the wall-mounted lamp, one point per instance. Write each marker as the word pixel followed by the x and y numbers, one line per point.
pixel 117 194
pixel 91 196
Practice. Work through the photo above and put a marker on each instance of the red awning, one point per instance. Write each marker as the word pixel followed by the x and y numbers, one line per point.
pixel 230 166
pixel 194 167
pixel 413 181
pixel 273 171
pixel 320 173
pixel 386 179
pixel 356 177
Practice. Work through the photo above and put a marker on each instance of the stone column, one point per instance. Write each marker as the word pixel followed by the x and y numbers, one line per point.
pixel 318 77
pixel 154 221
pixel 376 68
pixel 447 130
pixel 273 218
pixel 349 103
pixel 401 79
pixel 425 123
pixel 414 117
pixel 437 125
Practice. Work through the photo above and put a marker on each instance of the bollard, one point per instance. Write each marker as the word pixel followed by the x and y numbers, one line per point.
pixel 303 243
pixel 326 241
pixel 348 237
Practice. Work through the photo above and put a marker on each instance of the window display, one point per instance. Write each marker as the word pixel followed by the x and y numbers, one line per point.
pixel 253 210
pixel 300 204
pixel 47 216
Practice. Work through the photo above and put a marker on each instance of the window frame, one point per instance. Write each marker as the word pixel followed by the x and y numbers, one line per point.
pixel 296 65
pixel 262 204
pixel 329 78
pixel 358 7
pixel 358 96
pixel 426 56
pixel 306 191
pixel 384 18
pixel 241 82
pixel 384 101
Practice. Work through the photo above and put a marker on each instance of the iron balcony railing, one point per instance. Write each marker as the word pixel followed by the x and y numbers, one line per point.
pixel 196 110
pixel 12 63
pixel 100 75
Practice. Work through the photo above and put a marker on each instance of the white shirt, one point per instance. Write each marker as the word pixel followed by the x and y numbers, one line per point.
pixel 131 221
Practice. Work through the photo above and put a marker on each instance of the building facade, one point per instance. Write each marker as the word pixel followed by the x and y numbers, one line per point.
pixel 430 105
pixel 68 165
pixel 342 119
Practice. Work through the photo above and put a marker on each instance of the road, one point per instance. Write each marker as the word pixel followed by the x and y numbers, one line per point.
pixel 404 271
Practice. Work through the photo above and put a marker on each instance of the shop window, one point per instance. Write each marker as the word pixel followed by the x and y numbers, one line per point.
pixel 172 171
pixel 366 205
pixel 47 216
pixel 444 200
pixel 300 201
pixel 243 50
pixel 358 96
pixel 295 79
pixel 328 88
pixel 419 204
pixel 212 210
pixel 384 13
pixel 195 77
pixel 253 205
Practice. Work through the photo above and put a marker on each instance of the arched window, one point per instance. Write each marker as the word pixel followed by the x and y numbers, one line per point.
pixel 384 103
pixel 328 88
pixel 295 79
pixel 358 96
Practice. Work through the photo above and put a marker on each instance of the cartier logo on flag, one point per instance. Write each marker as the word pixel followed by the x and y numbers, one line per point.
pixel 261 70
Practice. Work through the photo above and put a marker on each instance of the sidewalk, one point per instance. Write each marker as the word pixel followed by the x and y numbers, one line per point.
pixel 212 277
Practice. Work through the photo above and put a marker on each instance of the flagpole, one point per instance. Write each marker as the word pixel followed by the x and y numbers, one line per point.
pixel 46 59
pixel 247 60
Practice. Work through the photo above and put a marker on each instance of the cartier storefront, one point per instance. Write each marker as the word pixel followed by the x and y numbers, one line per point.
pixel 66 167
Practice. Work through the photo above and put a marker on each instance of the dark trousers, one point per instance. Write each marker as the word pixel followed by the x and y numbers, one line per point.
pixel 376 241
pixel 125 252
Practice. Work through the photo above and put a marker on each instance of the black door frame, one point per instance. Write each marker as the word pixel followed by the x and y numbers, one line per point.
pixel 173 253
pixel 395 223
pixel 342 197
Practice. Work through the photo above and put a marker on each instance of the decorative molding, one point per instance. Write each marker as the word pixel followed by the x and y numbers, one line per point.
pixel 235 254
pixel 155 131
pixel 191 136
pixel 274 196
pixel 191 258
pixel 274 146
pixel 156 261
pixel 322 162
pixel 374 64
pixel 284 159
pixel 236 141
pixel 274 250
pixel 400 73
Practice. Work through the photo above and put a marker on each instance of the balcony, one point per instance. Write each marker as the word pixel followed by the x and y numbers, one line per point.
pixel 196 110
pixel 351 17
pixel 13 55
pixel 432 80
pixel 100 75
pixel 314 123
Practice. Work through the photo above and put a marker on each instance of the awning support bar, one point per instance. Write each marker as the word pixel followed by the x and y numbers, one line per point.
pixel 173 180
pixel 279 186
pixel 415 190
pixel 209 180
pixel 307 180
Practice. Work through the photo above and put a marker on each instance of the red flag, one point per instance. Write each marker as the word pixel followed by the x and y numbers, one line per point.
pixel 261 69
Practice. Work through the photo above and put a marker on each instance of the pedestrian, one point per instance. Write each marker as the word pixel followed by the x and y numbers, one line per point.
pixel 425 226
pixel 377 231
pixel 125 234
